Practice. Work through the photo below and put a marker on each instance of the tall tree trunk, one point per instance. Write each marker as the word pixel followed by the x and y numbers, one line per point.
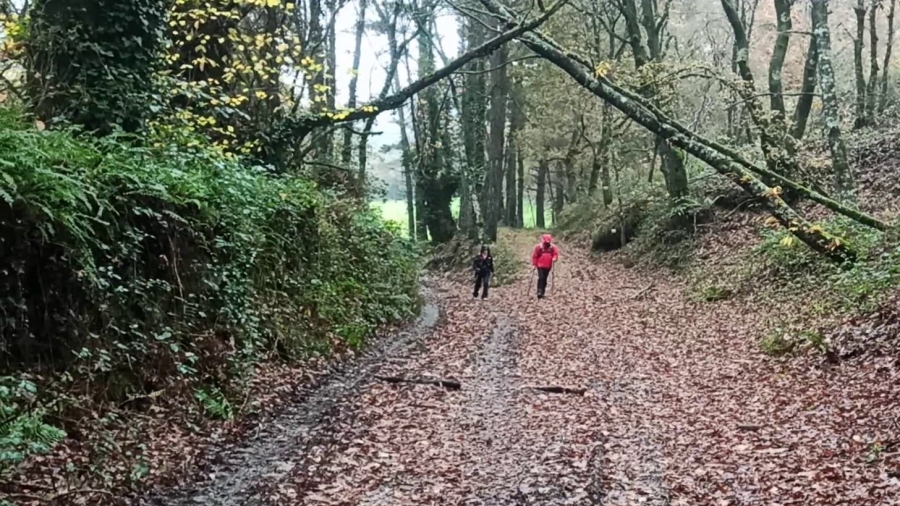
pixel 720 158
pixel 472 117
pixel 872 86
pixel 772 134
pixel 520 190
pixel 776 63
pixel 516 122
pixel 437 181
pixel 559 195
pixel 673 162
pixel 883 99
pixel 843 175
pixel 540 192
pixel 406 159
pixel 493 183
pixel 317 40
pixel 90 71
pixel 860 10
pixel 808 89
pixel 347 147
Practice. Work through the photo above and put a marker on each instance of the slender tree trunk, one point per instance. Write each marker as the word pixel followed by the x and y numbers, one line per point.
pixel 673 162
pixel 808 89
pixel 860 10
pixel 472 115
pixel 883 99
pixel 540 192
pixel 437 182
pixel 723 160
pixel 776 63
pixel 773 134
pixel 520 190
pixel 843 175
pixel 516 122
pixel 406 162
pixel 558 194
pixel 493 182
pixel 347 146
pixel 872 86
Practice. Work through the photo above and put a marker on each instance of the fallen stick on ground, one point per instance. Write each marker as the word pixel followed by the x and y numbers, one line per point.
pixel 445 383
pixel 645 290
pixel 561 390
pixel 749 427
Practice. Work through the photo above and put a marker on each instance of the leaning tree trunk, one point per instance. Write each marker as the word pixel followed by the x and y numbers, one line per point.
pixel 843 175
pixel 808 89
pixel 860 10
pixel 883 99
pixel 638 109
pixel 80 67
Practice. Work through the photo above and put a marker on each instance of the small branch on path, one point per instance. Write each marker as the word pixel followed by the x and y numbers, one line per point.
pixel 55 497
pixel 444 383
pixel 749 427
pixel 645 290
pixel 561 390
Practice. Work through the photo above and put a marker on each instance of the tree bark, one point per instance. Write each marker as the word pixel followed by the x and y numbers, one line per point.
pixel 808 88
pixel 540 192
pixel 872 85
pixel 493 183
pixel 843 175
pixel 772 134
pixel 516 122
pixel 80 68
pixel 520 190
pixel 883 99
pixel 860 10
pixel 672 161
pixel 776 63
pixel 347 146
pixel 654 120
pixel 473 114
pixel 406 158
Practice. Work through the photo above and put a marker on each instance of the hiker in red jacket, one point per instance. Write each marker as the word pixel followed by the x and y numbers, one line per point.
pixel 544 256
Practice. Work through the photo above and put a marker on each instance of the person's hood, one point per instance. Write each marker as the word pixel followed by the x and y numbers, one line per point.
pixel 546 238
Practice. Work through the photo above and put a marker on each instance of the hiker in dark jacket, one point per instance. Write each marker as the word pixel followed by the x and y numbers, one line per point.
pixel 483 265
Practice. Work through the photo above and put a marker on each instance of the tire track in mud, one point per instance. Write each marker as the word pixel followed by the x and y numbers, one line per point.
pixel 239 474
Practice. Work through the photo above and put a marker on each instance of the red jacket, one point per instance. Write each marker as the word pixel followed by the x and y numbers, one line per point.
pixel 543 258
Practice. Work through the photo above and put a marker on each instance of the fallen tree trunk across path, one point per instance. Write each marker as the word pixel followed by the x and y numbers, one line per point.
pixel 734 168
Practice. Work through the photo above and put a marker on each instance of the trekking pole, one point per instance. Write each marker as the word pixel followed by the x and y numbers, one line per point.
pixel 552 278
pixel 531 280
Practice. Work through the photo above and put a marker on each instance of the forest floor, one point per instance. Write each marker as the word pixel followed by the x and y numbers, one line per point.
pixel 679 407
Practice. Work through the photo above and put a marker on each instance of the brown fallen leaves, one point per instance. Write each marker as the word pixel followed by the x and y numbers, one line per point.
pixel 681 408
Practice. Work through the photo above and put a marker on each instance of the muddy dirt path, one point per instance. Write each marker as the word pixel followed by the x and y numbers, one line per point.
pixel 679 407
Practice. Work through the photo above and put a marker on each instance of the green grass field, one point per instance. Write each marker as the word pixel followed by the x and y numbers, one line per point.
pixel 395 211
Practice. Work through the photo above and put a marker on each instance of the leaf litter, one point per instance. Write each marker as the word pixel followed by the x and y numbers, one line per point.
pixel 680 408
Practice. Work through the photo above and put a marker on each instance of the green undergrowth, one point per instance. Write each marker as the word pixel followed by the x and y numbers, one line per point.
pixel 804 290
pixel 127 271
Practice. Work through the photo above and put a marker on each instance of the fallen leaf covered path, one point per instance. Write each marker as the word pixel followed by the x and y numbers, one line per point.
pixel 661 401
